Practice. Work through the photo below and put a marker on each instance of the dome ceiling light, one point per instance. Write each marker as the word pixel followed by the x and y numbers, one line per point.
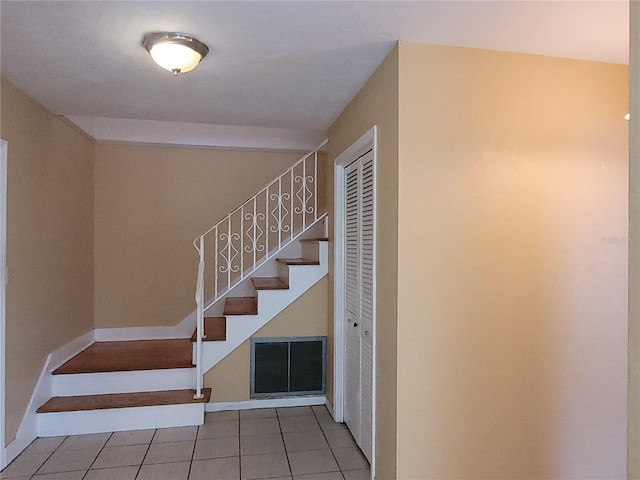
pixel 176 52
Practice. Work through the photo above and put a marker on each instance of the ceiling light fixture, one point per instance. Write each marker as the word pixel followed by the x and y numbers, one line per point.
pixel 176 52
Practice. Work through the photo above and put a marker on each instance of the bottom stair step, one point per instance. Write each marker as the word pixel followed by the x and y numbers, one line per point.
pixel 122 400
pixel 120 412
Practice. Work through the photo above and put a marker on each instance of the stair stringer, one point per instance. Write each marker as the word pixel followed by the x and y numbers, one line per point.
pixel 270 303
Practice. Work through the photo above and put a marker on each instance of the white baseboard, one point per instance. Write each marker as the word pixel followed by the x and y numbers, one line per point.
pixel 266 403
pixel 28 430
pixel 184 329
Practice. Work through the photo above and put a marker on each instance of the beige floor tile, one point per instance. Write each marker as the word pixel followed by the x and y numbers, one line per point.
pixel 312 461
pixel 265 443
pixel 327 423
pixel 294 411
pixel 350 459
pixel 74 442
pixel 175 434
pixel 257 426
pixel 25 465
pixel 314 440
pixel 44 445
pixel 70 460
pixel 258 413
pixel 320 410
pixel 264 466
pixel 119 473
pixel 165 471
pixel 228 428
pixel 357 474
pixel 340 438
pixel 169 452
pixel 132 437
pixel 299 424
pixel 320 476
pixel 77 475
pixel 221 416
pixel 216 469
pixel 217 448
pixel 120 456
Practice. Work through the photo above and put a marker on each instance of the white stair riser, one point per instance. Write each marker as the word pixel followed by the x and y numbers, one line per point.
pixel 123 382
pixel 119 419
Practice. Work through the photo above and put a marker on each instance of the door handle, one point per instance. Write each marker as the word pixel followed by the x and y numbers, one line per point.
pixel 355 324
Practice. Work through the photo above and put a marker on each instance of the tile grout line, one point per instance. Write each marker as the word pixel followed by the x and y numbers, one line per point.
pixel 195 442
pixel 146 452
pixel 328 444
pixel 46 460
pixel 284 445
pixel 101 449
pixel 239 452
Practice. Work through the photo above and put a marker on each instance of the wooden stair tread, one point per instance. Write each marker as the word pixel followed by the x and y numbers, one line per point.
pixel 122 400
pixel 298 261
pixel 130 356
pixel 215 329
pixel 269 283
pixel 240 306
pixel 317 239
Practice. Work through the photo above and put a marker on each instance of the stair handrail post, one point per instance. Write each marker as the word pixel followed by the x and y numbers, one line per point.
pixel 199 318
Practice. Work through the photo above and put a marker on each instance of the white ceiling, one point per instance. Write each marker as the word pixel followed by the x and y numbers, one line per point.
pixel 285 65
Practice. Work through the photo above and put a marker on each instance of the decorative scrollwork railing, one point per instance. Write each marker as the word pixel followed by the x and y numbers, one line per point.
pixel 251 235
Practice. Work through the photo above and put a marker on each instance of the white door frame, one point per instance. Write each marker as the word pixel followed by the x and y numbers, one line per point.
pixel 366 142
pixel 3 297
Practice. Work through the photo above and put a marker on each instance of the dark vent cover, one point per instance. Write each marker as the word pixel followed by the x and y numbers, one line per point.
pixel 287 366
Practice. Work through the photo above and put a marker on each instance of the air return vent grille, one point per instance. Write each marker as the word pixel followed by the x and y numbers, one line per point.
pixel 288 366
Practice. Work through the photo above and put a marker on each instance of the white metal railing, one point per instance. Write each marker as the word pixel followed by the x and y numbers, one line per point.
pixel 252 234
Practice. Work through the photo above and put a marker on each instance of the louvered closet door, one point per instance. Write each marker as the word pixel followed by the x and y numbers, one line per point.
pixel 359 301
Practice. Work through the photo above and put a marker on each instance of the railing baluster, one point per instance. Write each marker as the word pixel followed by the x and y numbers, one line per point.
pixel 291 205
pixel 279 211
pixel 242 242
pixel 215 261
pixel 255 221
pixel 315 185
pixel 266 225
pixel 304 192
pixel 229 253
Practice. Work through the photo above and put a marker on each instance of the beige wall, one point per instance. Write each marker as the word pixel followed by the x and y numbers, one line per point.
pixel 307 316
pixel 49 242
pixel 633 447
pixel 151 202
pixel 377 104
pixel 512 257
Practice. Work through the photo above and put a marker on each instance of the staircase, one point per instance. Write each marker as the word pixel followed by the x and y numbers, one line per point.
pixel 156 383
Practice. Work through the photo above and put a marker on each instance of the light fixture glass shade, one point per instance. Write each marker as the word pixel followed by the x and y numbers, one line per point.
pixel 176 52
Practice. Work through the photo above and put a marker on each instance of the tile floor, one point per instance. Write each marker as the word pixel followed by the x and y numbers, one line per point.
pixel 297 443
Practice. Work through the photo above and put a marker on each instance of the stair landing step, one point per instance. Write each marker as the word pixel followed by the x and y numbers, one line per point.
pixel 130 356
pixel 215 329
pixel 122 400
pixel 269 283
pixel 298 261
pixel 240 306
